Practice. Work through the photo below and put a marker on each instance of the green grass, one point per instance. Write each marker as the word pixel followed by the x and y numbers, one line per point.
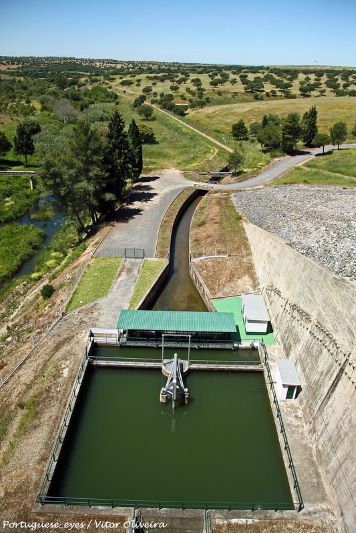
pixel 95 282
pixel 218 119
pixel 18 242
pixel 177 146
pixel 151 268
pixel 305 176
pixel 16 197
pixel 338 161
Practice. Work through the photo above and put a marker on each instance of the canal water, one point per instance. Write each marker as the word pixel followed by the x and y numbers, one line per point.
pixel 124 444
pixel 180 293
pixel 49 227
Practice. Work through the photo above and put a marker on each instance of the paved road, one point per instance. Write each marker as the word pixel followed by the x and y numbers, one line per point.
pixel 138 223
pixel 275 170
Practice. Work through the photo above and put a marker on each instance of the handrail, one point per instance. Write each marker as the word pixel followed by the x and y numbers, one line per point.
pixel 160 504
pixel 283 430
pixel 64 426
pixel 155 360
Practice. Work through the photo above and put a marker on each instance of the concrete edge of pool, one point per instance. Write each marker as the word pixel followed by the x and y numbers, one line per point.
pixel 297 504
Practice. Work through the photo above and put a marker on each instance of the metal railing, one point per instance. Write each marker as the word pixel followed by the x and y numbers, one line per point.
pixel 165 504
pixel 63 428
pixel 148 360
pixel 296 486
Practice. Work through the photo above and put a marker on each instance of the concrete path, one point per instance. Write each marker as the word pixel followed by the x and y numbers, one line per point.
pixel 120 294
pixel 275 170
pixel 138 223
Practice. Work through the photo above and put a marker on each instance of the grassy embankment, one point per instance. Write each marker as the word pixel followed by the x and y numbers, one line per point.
pixel 16 197
pixel 335 168
pixel 17 242
pixel 217 228
pixel 95 282
pixel 150 270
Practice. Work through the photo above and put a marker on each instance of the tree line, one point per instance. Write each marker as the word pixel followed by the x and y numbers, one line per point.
pixel 87 171
pixel 275 133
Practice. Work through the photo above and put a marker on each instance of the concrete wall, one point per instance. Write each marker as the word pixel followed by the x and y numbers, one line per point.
pixel 313 313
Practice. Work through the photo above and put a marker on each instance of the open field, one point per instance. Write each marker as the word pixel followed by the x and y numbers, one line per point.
pixel 95 282
pixel 18 242
pixel 334 168
pixel 218 229
pixel 219 119
pixel 150 270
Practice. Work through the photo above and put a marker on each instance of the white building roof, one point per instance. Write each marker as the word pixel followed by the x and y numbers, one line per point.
pixel 255 308
pixel 287 372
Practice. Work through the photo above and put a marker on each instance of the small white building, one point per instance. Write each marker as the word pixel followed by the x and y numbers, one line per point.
pixel 287 381
pixel 254 313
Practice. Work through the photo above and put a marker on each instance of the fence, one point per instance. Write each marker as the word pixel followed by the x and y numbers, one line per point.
pixel 166 504
pixel 300 503
pixel 63 428
pixel 134 253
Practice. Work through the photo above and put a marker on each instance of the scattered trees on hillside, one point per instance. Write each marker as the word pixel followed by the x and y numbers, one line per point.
pixel 5 144
pixel 321 139
pixel 338 133
pixel 23 141
pixel 309 126
pixel 239 131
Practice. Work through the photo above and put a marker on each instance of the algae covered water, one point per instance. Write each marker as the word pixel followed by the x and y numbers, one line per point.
pixel 124 444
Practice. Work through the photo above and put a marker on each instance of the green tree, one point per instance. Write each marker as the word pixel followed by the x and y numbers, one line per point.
pixel 135 142
pixel 147 134
pixel 23 141
pixel 321 139
pixel 239 131
pixel 138 101
pixel 145 111
pixel 353 131
pixel 291 131
pixel 309 126
pixel 235 160
pixel 338 133
pixel 118 157
pixel 270 136
pixel 5 144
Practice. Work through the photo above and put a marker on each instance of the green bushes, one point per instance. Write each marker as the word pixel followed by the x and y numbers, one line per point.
pixel 47 291
pixel 16 197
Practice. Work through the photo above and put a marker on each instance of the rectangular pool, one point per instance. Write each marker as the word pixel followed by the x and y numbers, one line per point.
pixel 221 448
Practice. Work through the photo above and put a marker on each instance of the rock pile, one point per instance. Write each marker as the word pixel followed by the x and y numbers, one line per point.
pixel 319 222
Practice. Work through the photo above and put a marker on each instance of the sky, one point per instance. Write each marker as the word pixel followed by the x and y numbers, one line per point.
pixel 248 32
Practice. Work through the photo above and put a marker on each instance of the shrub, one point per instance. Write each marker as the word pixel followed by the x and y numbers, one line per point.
pixel 47 291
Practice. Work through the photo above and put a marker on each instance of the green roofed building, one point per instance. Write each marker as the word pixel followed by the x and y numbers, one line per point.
pixel 153 324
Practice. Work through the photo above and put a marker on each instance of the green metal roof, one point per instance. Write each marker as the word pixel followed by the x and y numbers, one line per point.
pixel 176 321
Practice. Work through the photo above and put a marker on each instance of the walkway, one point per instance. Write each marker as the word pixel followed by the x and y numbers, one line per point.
pixel 138 223
pixel 119 296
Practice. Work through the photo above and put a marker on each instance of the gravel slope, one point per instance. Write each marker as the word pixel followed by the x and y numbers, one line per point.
pixel 319 222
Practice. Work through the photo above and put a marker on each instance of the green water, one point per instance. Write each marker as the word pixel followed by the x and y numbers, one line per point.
pixel 221 447
pixel 156 353
pixel 180 293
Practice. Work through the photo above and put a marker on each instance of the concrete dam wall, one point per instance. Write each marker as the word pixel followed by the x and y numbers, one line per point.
pixel 313 313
